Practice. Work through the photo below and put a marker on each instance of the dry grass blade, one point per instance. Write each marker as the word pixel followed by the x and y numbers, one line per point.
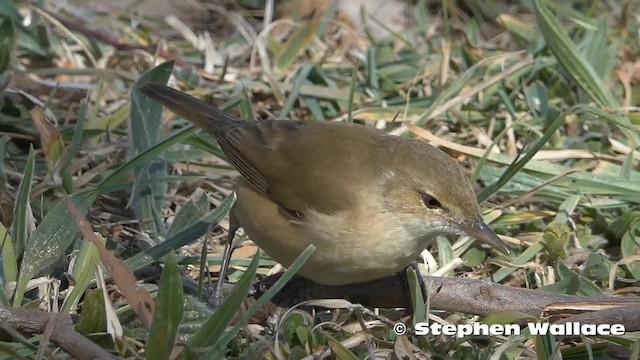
pixel 138 298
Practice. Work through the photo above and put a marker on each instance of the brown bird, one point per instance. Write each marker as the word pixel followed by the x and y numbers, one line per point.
pixel 370 202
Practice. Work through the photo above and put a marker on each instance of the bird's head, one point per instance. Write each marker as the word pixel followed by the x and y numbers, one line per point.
pixel 430 194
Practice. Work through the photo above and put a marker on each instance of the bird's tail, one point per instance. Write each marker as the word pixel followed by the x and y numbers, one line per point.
pixel 196 111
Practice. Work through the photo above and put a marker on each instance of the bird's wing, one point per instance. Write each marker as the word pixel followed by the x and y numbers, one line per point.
pixel 302 166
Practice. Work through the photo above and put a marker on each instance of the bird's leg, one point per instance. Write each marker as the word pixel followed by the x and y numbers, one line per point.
pixel 218 295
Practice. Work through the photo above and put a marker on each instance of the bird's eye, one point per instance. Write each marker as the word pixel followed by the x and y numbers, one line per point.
pixel 430 202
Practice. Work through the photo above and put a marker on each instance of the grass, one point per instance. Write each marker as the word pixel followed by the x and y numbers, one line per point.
pixel 537 99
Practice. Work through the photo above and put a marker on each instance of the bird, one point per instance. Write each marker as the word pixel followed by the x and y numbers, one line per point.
pixel 370 202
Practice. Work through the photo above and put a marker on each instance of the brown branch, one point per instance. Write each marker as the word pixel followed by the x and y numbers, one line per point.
pixel 482 298
pixel 450 294
pixel 625 315
pixel 30 322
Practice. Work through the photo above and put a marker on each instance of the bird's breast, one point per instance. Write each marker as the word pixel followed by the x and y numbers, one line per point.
pixel 350 247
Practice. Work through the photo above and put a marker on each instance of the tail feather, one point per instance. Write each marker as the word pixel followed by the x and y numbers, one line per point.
pixel 196 111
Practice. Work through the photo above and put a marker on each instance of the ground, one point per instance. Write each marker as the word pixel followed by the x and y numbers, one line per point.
pixel 536 99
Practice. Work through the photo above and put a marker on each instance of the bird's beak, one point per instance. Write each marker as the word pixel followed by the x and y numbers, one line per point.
pixel 482 232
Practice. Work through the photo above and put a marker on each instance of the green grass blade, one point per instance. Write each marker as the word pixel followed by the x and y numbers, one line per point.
pixel 22 209
pixel 574 62
pixel 339 351
pixel 51 239
pixel 146 116
pixel 115 177
pixel 193 209
pixel 82 273
pixel 485 156
pixel 9 264
pixel 352 92
pixel 299 40
pixel 295 90
pixel 518 165
pixel 211 331
pixel 167 314
pixel 219 350
pixel 72 150
pixel 93 318
pixel 618 120
pixel 570 58
pixel 184 237
pixel 547 348
pixel 417 297
pixel 373 81
pixel 9 259
pixel 453 89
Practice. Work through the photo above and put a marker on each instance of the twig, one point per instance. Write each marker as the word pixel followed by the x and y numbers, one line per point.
pixel 31 322
pixel 109 39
